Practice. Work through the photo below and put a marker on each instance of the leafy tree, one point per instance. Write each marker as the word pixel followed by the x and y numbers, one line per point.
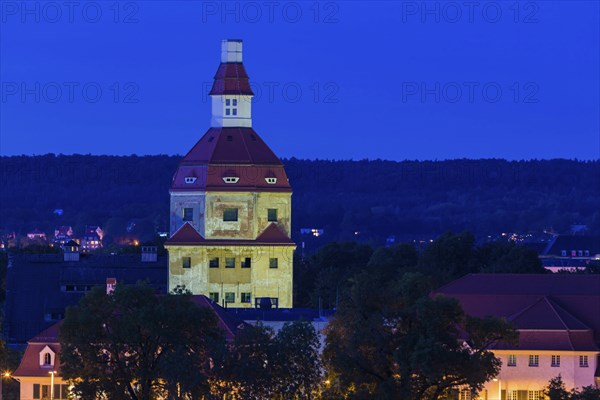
pixel 264 365
pixel 556 389
pixel 586 393
pixel 449 256
pixel 394 260
pixel 298 361
pixel 336 263
pixel 392 341
pixel 500 257
pixel 133 344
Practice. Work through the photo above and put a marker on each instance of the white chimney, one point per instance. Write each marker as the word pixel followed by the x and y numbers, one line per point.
pixel 231 51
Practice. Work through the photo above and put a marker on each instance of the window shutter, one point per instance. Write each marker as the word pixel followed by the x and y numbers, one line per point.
pixel 36 391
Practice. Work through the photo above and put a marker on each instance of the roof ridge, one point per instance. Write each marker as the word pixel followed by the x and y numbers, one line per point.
pixel 522 311
pixel 555 306
pixel 557 315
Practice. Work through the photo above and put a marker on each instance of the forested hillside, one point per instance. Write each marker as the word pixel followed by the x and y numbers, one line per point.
pixel 409 199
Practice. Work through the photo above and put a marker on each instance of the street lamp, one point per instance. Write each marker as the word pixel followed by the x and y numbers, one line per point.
pixel 5 374
pixel 52 384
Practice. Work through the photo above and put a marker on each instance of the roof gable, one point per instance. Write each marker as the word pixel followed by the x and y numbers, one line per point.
pixel 187 234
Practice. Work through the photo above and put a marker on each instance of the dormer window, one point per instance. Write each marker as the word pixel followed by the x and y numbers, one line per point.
pixel 231 106
pixel 190 179
pixel 231 179
pixel 271 181
pixel 47 357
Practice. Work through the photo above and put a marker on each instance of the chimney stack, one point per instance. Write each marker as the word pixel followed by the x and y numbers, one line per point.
pixel 231 51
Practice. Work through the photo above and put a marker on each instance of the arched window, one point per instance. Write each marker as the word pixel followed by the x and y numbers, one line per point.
pixel 47 359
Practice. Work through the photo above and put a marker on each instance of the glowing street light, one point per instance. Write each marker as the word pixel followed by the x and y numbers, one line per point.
pixel 52 384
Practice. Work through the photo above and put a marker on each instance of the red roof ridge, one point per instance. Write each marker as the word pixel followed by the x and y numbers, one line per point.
pixel 48 335
pixel 273 234
pixel 185 234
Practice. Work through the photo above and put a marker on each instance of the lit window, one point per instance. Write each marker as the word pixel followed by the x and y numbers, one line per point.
pixel 214 296
pixel 186 262
pixel 188 214
pixel 587 253
pixel 580 253
pixel 273 263
pixel 563 253
pixel 229 297
pixel 512 360
pixel 230 214
pixel 229 262
pixel 583 361
pixel 246 297
pixel 464 394
pixel 534 395
pixel 534 360
pixel 247 263
pixel 272 215
pixel 213 262
pixel 513 395
pixel 555 361
pixel 573 253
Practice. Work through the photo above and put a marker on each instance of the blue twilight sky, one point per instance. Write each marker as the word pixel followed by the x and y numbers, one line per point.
pixel 334 79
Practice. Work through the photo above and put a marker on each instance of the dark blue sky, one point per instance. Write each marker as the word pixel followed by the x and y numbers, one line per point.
pixel 338 80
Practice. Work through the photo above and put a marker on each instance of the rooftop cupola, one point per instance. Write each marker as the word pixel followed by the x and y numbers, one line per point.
pixel 231 93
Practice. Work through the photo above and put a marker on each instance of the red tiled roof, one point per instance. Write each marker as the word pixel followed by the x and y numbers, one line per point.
pixel 273 234
pixel 30 363
pixel 225 151
pixel 549 310
pixel 231 78
pixel 187 235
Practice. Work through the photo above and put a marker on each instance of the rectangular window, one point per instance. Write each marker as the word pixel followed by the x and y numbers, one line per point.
pixel 534 395
pixel 229 262
pixel 64 391
pixel 587 253
pixel 186 262
pixel 273 263
pixel 583 361
pixel 229 297
pixel 227 102
pixel 230 214
pixel 563 253
pixel 555 361
pixel 235 102
pixel 36 390
pixel 464 394
pixel 512 360
pixel 227 111
pixel 234 111
pixel 272 215
pixel 214 296
pixel 513 395
pixel 534 360
pixel 188 214
pixel 247 263
pixel 246 297
pixel 45 391
pixel 213 262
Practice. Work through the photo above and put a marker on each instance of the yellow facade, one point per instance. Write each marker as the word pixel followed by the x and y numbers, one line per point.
pixel 230 281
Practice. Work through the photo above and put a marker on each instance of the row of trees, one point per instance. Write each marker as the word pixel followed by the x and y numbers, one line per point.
pixel 376 198
pixel 324 279
pixel 556 390
pixel 133 344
